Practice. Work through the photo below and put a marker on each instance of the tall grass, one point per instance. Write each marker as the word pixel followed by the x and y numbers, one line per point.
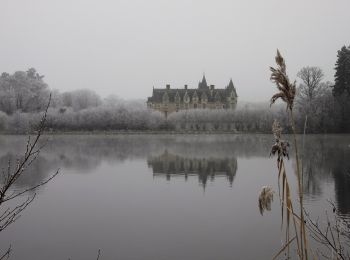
pixel 286 92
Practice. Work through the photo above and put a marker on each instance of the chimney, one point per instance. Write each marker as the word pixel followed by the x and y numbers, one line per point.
pixel 212 87
pixel 185 86
pixel 167 86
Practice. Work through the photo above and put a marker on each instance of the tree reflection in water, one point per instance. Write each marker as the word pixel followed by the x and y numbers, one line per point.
pixel 325 159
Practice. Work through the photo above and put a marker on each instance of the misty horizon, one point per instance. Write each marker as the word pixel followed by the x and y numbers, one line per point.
pixel 125 48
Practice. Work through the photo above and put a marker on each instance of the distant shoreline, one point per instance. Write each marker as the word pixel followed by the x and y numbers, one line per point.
pixel 130 132
pixel 165 132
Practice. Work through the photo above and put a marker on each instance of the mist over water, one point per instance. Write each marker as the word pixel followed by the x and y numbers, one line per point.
pixel 166 196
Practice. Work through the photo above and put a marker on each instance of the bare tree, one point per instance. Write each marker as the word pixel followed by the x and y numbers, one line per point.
pixel 11 204
pixel 311 97
pixel 311 85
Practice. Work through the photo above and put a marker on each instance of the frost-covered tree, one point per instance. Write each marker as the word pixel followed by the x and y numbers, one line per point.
pixel 7 94
pixel 311 86
pixel 79 99
pixel 84 98
pixel 112 100
pixel 313 99
pixel 24 90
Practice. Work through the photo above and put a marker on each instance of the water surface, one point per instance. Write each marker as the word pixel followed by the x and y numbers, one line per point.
pixel 165 197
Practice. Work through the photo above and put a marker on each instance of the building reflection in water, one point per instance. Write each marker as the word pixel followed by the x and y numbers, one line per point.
pixel 172 165
pixel 325 159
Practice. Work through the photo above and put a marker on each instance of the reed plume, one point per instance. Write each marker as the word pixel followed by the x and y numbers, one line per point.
pixel 280 78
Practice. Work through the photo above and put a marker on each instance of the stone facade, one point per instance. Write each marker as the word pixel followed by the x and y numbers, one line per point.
pixel 168 100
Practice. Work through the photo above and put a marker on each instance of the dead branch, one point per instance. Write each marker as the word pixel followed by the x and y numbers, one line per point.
pixel 6 255
pixel 334 236
pixel 10 214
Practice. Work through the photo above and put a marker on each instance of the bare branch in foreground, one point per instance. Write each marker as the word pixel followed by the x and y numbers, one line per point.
pixel 6 255
pixel 335 235
pixel 11 175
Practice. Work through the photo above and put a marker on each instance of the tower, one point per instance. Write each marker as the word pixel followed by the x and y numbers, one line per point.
pixel 203 84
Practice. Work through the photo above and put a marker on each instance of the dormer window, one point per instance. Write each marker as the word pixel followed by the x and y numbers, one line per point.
pixel 165 98
pixel 186 98
pixel 177 98
pixel 204 97
pixel 195 97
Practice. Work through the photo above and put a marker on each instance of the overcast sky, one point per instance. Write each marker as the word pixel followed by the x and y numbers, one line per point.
pixel 127 47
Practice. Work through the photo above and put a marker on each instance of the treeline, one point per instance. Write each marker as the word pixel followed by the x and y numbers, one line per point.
pixel 134 116
pixel 323 107
pixel 24 94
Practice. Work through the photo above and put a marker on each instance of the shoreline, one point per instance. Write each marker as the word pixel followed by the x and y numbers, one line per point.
pixel 126 132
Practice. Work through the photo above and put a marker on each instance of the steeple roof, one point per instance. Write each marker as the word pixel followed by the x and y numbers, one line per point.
pixel 204 81
pixel 230 85
pixel 203 84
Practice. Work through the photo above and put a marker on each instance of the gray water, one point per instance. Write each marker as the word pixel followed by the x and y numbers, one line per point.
pixel 166 197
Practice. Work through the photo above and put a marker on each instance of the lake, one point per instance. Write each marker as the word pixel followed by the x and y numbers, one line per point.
pixel 166 196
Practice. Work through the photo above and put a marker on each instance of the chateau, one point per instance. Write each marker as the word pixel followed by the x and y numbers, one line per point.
pixel 168 100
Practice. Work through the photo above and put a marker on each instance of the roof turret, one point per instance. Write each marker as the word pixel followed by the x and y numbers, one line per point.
pixel 203 84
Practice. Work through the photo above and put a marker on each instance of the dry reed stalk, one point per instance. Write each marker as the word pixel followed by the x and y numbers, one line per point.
pixel 265 199
pixel 281 149
pixel 287 94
